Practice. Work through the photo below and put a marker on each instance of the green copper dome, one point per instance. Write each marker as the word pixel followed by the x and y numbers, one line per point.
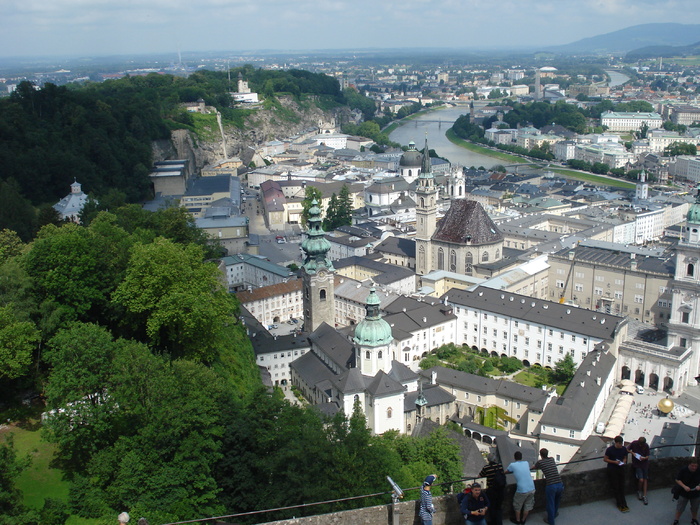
pixel 373 330
pixel 316 246
pixel 694 211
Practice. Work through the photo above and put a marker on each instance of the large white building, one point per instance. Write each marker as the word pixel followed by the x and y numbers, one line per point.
pixel 536 331
pixel 630 121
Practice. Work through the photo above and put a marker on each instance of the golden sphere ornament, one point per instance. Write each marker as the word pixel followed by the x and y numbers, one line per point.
pixel 665 405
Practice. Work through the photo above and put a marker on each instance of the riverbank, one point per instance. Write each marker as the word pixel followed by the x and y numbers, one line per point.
pixel 482 150
pixel 601 180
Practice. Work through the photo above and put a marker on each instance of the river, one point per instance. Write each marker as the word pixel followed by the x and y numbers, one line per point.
pixel 616 78
pixel 435 123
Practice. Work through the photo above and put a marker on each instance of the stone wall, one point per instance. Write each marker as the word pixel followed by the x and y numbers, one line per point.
pixel 582 487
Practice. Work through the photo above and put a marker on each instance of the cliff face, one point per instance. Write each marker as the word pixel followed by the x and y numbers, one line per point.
pixel 259 127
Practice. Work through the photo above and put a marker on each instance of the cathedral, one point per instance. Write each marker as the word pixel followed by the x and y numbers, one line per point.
pixel 463 239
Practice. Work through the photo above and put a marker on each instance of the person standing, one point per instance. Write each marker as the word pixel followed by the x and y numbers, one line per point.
pixel 616 458
pixel 640 461
pixel 427 509
pixel 474 506
pixel 688 479
pixel 554 488
pixel 495 488
pixel 524 498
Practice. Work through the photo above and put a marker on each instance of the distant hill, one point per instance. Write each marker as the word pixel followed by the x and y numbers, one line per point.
pixel 635 37
pixel 664 51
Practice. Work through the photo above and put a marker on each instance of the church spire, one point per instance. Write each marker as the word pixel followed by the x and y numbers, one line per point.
pixel 316 246
pixel 426 168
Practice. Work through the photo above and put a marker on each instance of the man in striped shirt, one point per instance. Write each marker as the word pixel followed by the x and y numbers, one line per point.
pixel 554 488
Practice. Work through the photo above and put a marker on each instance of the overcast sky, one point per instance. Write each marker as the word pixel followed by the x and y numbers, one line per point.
pixel 101 27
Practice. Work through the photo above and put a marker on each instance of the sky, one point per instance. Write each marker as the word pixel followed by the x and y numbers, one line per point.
pixel 116 27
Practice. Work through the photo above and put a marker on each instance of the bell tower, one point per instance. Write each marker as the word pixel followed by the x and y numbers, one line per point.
pixel 318 275
pixel 426 213
pixel 684 324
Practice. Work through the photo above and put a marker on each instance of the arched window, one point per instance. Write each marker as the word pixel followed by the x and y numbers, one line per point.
pixel 485 257
pixel 690 270
pixel 367 355
pixel 460 191
pixel 322 295
pixel 379 355
pixel 441 259
pixel 410 173
pixel 388 413
pixel 469 260
pixel 357 398
pixel 422 202
pixel 453 261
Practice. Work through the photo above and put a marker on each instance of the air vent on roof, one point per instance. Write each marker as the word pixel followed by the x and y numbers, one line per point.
pixel 568 311
pixel 511 298
pixel 594 317
pixel 481 293
pixel 602 321
pixel 522 301
pixel 545 306
pixel 503 296
pixel 532 304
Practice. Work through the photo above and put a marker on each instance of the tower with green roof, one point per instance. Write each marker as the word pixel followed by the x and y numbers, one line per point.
pixel 318 274
pixel 372 339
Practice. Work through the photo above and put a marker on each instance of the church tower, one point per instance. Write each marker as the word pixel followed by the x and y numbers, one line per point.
pixel 372 339
pixel 684 324
pixel 641 188
pixel 318 274
pixel 456 184
pixel 426 214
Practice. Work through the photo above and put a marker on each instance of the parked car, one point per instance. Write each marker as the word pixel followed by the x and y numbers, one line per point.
pixel 640 389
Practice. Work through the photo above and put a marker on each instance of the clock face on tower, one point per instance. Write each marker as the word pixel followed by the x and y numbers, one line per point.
pixel 322 274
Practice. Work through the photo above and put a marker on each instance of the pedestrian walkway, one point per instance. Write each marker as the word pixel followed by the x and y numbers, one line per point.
pixel 660 511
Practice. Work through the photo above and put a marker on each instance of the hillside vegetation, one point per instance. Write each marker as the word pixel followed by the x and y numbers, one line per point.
pixel 102 134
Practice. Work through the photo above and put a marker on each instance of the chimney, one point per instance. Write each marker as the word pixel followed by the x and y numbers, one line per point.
pixel 433 377
pixel 597 380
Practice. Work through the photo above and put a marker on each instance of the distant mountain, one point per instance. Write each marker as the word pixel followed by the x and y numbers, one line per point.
pixel 664 51
pixel 632 38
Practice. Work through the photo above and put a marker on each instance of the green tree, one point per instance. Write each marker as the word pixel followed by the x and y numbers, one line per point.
pixel 18 340
pixel 81 409
pixel 564 370
pixel 643 130
pixel 10 244
pixel 176 298
pixel 16 212
pixel 345 208
pixel 680 148
pixel 331 218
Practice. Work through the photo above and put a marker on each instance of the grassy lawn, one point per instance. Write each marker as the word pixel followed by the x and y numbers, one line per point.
pixel 528 378
pixel 596 179
pixel 40 481
pixel 511 159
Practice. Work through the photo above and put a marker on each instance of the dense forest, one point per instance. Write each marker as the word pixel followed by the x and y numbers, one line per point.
pixel 102 133
pixel 152 394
